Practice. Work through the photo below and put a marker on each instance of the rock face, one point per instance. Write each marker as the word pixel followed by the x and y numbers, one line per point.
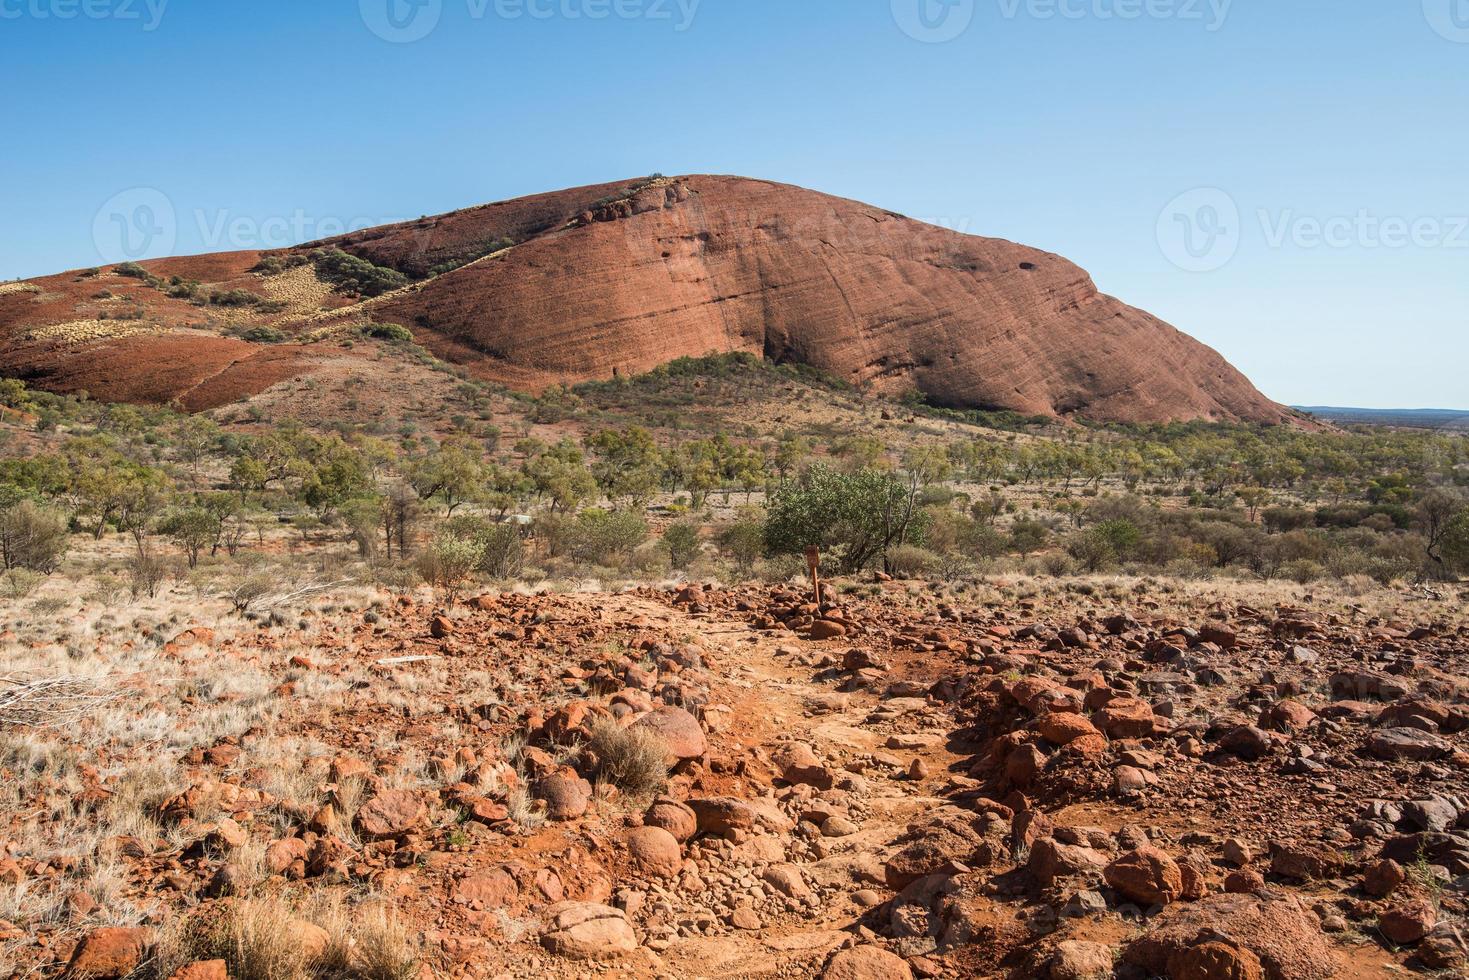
pixel 708 263
pixel 618 279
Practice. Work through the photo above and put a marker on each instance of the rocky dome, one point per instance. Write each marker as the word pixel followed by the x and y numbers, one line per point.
pixel 616 279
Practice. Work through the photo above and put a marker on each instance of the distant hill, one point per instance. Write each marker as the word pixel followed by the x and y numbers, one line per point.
pixel 615 280
pixel 1411 418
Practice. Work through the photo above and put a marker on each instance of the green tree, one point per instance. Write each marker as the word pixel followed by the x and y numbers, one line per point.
pixel 628 466
pixel 193 529
pixel 858 516
pixel 682 542
pixel 453 473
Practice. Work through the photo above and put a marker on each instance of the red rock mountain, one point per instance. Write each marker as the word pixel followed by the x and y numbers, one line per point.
pixel 617 279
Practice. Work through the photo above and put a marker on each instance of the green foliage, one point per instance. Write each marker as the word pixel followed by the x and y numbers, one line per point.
pixel 353 275
pixel 606 538
pixel 32 537
pixel 1028 536
pixel 453 473
pixel 856 517
pixel 264 335
pixel 391 332
pixel 132 271
pixel 682 543
pixel 1455 546
pixel 502 550
pixel 744 539
pixel 193 529
pixel 449 560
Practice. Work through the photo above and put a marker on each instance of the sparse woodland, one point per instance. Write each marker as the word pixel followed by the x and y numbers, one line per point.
pixel 270 690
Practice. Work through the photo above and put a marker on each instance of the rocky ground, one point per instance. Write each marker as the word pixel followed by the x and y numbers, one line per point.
pixel 1133 781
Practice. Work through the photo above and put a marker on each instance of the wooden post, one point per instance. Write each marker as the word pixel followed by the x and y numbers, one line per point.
pixel 813 562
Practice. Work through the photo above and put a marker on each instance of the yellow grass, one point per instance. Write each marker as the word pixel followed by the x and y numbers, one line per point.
pixel 84 331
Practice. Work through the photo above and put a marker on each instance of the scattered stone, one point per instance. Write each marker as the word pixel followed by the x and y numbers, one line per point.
pixel 1146 875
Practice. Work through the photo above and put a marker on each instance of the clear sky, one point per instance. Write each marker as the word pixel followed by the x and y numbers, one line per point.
pixel 1287 180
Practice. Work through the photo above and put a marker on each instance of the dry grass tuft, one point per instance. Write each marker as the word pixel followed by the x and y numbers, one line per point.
pixel 632 759
pixel 274 939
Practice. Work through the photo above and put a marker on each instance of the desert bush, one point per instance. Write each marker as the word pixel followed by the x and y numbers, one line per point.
pixel 17 583
pixel 606 537
pixel 744 539
pixel 131 270
pixel 1028 536
pixel 633 759
pixel 1454 545
pixel 234 298
pixel 449 560
pixel 1056 564
pixel 1091 549
pixel 391 332
pixel 350 274
pixel 245 592
pixel 146 575
pixel 1304 572
pixel 502 552
pixel 32 537
pixel 682 544
pixel 264 335
pixel 911 561
pixel 192 529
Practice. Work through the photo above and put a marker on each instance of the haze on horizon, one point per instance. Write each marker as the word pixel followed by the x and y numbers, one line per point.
pixel 1283 182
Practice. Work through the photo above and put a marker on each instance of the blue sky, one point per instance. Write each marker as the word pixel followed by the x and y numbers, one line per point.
pixel 1283 180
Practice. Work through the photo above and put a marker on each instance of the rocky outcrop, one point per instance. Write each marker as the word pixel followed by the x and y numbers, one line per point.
pixel 616 279
pixel 698 264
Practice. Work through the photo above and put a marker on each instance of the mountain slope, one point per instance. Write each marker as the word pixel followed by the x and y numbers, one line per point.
pixel 616 279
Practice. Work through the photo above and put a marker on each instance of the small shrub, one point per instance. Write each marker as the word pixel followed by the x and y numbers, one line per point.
pixel 744 541
pixel 1056 564
pixel 32 537
pixel 131 270
pixel 449 560
pixel 146 575
pixel 392 332
pixel 682 544
pixel 248 591
pixel 606 537
pixel 633 759
pixel 263 335
pixel 911 561
pixel 350 274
